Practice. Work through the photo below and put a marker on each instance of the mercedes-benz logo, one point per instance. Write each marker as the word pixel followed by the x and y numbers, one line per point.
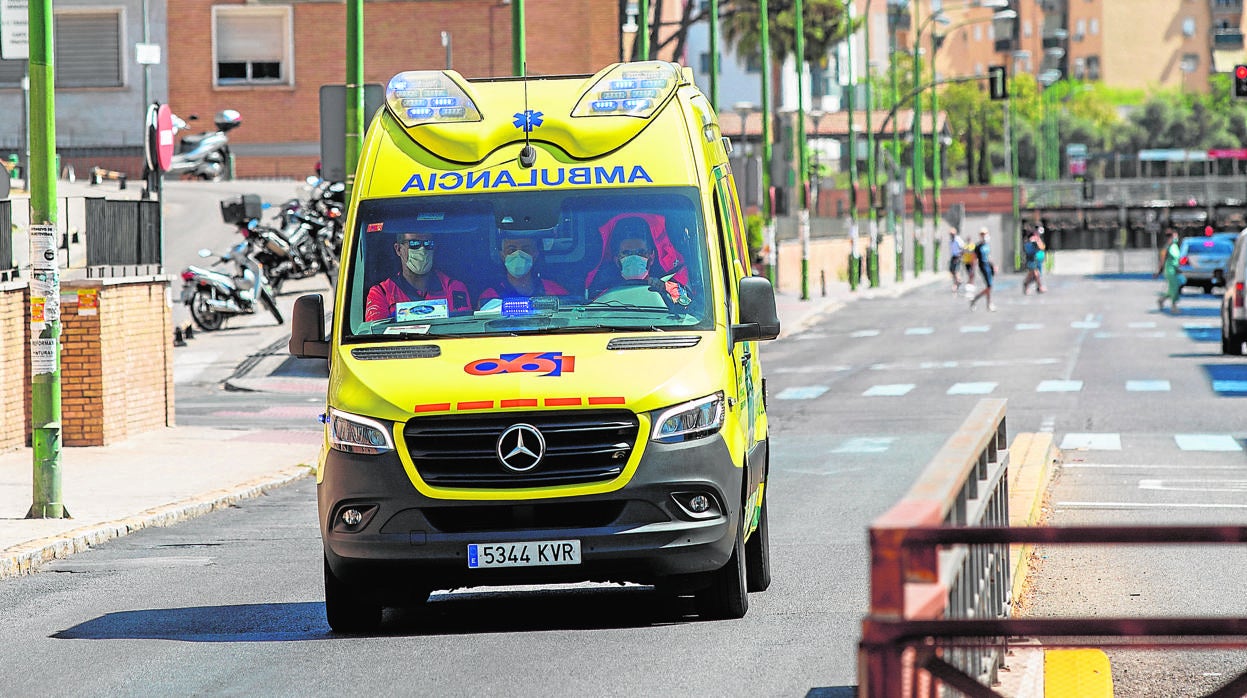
pixel 521 447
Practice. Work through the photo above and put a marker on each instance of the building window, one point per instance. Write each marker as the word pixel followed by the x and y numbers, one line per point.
pixel 1188 26
pixel 1080 69
pixel 252 45
pixel 1026 28
pixel 87 48
pixel 1095 27
pixel 978 33
pixel 1080 28
pixel 1093 67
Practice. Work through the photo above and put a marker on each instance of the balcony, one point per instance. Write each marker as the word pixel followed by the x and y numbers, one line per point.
pixel 1224 39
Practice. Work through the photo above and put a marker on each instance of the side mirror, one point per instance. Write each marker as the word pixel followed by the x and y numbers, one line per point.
pixel 307 328
pixel 758 319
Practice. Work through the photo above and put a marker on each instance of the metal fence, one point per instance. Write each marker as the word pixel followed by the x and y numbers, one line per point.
pixel 1156 191
pixel 121 232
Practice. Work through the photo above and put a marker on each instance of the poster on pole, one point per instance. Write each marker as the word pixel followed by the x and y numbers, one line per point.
pixel 14 30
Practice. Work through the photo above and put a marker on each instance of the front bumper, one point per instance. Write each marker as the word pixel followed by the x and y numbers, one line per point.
pixel 638 533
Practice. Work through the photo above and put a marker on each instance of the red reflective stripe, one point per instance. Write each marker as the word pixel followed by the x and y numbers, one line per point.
pixel 606 401
pixel 433 407
pixel 522 402
pixel 476 405
pixel 562 401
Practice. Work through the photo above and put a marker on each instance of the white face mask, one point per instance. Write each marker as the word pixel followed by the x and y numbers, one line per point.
pixel 519 263
pixel 634 267
pixel 419 261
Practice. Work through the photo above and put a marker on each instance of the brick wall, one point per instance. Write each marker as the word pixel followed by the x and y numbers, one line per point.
pixel 14 366
pixel 116 362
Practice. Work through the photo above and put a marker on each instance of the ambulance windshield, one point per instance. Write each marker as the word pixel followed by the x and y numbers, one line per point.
pixel 623 260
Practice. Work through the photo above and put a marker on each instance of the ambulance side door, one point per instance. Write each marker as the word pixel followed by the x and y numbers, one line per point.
pixel 735 261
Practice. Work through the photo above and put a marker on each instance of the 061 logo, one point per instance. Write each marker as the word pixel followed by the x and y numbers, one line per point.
pixel 550 363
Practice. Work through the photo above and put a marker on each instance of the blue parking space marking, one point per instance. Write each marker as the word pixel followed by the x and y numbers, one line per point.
pixel 1207 442
pixel 979 388
pixel 1147 386
pixel 865 444
pixel 1058 386
pixel 808 392
pixel 892 390
pixel 1225 388
pixel 1091 442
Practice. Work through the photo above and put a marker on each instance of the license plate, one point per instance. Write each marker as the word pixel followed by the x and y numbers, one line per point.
pixel 530 554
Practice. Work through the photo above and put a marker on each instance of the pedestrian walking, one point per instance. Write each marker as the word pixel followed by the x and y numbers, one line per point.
pixel 1033 251
pixel 1170 258
pixel 987 270
pixel 954 258
pixel 968 261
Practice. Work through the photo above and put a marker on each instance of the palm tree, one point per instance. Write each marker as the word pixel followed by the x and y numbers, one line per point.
pixel 825 26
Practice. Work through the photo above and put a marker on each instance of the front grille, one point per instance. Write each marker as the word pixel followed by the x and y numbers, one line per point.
pixel 581 446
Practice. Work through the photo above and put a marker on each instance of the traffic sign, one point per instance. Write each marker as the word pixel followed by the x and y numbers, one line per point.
pixel 158 148
pixel 14 30
pixel 997 82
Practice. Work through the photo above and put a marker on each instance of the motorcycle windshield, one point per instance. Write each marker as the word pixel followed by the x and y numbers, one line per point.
pixel 529 262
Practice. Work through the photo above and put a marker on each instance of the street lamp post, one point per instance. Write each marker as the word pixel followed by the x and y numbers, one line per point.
pixel 803 223
pixel 872 180
pixel 854 259
pixel 895 9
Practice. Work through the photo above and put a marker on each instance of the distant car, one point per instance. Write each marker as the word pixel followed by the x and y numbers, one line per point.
pixel 1233 312
pixel 1203 261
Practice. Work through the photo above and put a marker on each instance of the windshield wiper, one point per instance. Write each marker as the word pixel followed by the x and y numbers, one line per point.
pixel 624 307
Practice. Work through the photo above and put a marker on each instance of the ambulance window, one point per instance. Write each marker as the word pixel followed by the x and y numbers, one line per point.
pixel 721 216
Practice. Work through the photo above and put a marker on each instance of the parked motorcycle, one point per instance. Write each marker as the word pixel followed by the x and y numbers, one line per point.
pixel 212 296
pixel 326 201
pixel 205 155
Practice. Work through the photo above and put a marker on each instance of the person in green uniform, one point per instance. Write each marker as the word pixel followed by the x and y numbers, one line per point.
pixel 1169 260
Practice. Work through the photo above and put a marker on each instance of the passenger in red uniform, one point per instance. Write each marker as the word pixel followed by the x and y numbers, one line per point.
pixel 416 281
pixel 521 257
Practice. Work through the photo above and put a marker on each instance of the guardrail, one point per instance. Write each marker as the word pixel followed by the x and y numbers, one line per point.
pixel 939 620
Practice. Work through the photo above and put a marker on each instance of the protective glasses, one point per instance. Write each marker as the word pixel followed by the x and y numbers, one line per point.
pixel 417 244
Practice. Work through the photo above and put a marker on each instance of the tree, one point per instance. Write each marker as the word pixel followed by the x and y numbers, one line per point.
pixel 826 24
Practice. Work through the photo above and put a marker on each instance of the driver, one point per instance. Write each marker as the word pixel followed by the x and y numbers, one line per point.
pixel 417 280
pixel 631 263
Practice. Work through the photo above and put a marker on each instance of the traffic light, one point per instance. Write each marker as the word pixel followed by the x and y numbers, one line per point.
pixel 997 82
pixel 1240 81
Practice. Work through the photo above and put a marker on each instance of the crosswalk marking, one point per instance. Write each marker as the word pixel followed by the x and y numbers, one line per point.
pixel 1059 387
pixel 920 330
pixel 975 328
pixel 808 392
pixel 979 388
pixel 1091 442
pixel 892 390
pixel 1141 325
pixel 1147 386
pixel 1206 442
pixel 864 333
pixel 865 444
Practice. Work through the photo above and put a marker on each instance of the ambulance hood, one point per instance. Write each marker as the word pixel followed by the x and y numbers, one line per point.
pixel 592 371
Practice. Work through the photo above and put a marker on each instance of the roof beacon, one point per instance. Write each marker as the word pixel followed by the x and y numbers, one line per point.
pixel 634 89
pixel 429 97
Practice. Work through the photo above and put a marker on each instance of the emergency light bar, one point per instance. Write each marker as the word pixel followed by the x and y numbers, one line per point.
pixel 633 89
pixel 420 97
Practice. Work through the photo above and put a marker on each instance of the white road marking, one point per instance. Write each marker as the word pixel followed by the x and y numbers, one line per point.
pixel 1058 386
pixel 1207 442
pixel 1092 442
pixel 892 390
pixel 1147 386
pixel 1194 485
pixel 1085 325
pixel 1141 325
pixel 837 368
pixel 1048 425
pixel 865 333
pixel 979 388
pixel 1146 505
pixel 865 444
pixel 1028 326
pixel 1184 467
pixel 808 392
pixel 920 330
pixel 976 328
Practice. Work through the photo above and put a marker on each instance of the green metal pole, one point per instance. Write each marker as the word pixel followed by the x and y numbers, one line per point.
pixel 872 178
pixel 1013 181
pixel 917 157
pixel 354 88
pixel 854 259
pixel 45 289
pixel 768 219
pixel 893 225
pixel 714 54
pixel 937 167
pixel 642 31
pixel 519 56
pixel 803 222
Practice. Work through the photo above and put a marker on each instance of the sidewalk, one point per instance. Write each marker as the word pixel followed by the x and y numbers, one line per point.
pixel 166 476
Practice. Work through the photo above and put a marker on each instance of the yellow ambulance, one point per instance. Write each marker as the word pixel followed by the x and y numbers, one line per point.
pixel 543 359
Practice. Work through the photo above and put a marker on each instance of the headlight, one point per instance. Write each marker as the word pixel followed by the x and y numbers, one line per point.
pixel 355 434
pixel 691 420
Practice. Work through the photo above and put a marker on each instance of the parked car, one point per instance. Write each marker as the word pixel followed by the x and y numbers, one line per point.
pixel 1203 261
pixel 1233 312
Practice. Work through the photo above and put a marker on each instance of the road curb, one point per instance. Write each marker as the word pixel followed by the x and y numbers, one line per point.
pixel 1032 457
pixel 26 558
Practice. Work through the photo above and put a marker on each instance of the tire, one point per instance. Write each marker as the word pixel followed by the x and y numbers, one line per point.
pixel 204 316
pixel 758 554
pixel 347 609
pixel 727 596
pixel 1231 344
pixel 266 299
pixel 329 263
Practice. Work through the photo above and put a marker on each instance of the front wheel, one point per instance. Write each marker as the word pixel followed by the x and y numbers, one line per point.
pixel 727 597
pixel 266 299
pixel 758 554
pixel 347 608
pixel 202 313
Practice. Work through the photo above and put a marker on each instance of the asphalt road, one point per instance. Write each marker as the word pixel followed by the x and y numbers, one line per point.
pixel 231 602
